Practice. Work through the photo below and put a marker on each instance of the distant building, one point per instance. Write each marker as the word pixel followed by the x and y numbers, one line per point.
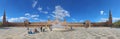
pixel 87 23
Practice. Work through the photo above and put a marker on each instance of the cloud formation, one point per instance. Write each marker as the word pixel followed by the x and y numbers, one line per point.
pixel 81 20
pixel 34 16
pixel 34 3
pixel 114 19
pixel 45 12
pixel 20 19
pixel 43 20
pixel 102 12
pixel 1 17
pixel 28 16
pixel 40 9
pixel 74 19
pixel 103 20
pixel 60 13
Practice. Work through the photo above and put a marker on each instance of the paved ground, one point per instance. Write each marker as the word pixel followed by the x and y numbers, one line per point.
pixel 77 33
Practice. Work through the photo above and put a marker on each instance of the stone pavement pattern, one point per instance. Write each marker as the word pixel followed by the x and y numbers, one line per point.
pixel 77 33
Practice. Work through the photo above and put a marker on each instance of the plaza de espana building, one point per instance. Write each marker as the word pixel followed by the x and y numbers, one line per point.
pixel 86 23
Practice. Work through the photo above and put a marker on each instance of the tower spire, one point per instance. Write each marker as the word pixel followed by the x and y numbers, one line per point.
pixel 110 18
pixel 4 18
pixel 110 14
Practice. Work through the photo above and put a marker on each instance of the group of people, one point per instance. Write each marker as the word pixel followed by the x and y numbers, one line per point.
pixel 33 31
pixel 41 29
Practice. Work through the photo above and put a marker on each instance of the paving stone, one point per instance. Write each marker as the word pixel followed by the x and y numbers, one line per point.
pixel 111 37
pixel 77 33
pixel 97 37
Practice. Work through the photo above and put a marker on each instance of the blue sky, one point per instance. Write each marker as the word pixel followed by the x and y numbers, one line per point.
pixel 72 10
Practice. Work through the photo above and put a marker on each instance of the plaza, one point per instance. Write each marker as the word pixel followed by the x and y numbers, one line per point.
pixel 76 33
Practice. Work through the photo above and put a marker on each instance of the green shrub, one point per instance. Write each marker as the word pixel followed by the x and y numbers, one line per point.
pixel 117 24
pixel 0 23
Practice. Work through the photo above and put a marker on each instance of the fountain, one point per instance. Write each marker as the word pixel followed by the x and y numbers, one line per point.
pixel 59 14
pixel 57 26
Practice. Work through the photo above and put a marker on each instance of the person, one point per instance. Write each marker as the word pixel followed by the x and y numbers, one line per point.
pixel 41 28
pixel 36 31
pixel 27 28
pixel 50 28
pixel 30 32
pixel 71 27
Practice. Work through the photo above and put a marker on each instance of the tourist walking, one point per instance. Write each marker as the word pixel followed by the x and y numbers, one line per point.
pixel 71 27
pixel 41 29
pixel 50 28
pixel 27 28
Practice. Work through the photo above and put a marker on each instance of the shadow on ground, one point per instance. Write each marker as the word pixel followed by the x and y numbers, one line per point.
pixel 4 28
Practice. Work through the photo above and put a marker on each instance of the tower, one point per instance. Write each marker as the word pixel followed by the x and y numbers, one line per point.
pixel 4 18
pixel 87 24
pixel 110 19
pixel 49 21
pixel 26 23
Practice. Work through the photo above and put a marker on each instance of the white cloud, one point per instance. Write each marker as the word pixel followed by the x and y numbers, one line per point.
pixel 31 16
pixel 43 20
pixel 81 20
pixel 34 16
pixel 20 19
pixel 74 19
pixel 60 13
pixel 48 16
pixel 39 8
pixel 27 14
pixel 34 3
pixel 103 20
pixel 45 12
pixel 102 12
pixel 116 19
pixel 1 17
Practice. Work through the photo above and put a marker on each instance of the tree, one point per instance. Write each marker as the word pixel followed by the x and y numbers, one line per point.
pixel 0 23
pixel 117 24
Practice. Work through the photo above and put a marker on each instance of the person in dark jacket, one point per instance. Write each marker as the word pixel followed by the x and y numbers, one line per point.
pixel 41 29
